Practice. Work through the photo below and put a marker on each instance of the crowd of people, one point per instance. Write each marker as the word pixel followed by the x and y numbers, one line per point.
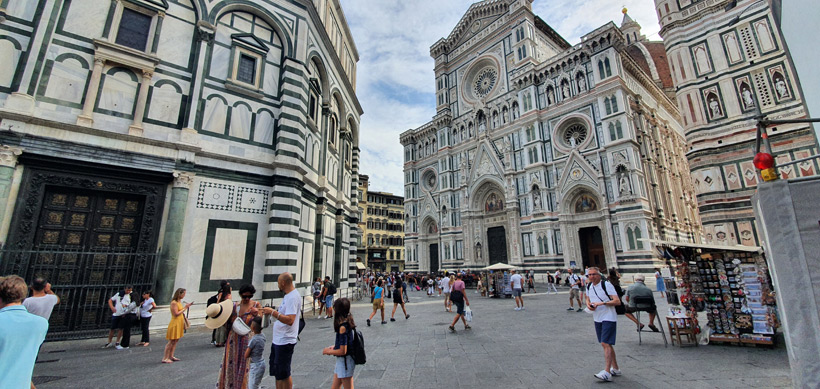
pixel 238 326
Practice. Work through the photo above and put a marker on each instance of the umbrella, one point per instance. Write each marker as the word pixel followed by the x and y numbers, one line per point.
pixel 499 266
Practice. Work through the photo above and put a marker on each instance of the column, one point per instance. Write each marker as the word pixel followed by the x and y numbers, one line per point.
pixel 87 117
pixel 205 36
pixel 172 240
pixel 8 161
pixel 142 100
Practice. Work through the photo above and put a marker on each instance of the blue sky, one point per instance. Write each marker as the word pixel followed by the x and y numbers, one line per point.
pixel 395 82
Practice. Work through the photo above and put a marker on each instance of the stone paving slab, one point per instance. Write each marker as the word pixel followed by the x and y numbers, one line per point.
pixel 544 346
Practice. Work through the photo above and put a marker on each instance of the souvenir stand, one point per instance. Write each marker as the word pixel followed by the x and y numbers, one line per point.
pixel 730 284
pixel 499 279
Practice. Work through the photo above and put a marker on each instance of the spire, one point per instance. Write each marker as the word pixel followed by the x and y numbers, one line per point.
pixel 631 28
pixel 626 19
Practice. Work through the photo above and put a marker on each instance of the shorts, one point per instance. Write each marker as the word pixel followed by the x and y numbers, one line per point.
pixel 516 292
pixel 574 293
pixel 635 309
pixel 446 295
pixel 340 369
pixel 255 374
pixel 459 307
pixel 606 331
pixel 329 301
pixel 316 295
pixel 377 304
pixel 280 358
pixel 116 322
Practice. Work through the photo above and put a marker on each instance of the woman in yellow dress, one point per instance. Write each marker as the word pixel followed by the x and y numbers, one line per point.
pixel 176 328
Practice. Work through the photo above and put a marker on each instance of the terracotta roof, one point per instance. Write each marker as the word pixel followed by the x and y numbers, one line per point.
pixel 658 57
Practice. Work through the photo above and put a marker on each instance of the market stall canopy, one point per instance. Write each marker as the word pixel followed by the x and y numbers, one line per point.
pixel 751 249
pixel 360 266
pixel 499 266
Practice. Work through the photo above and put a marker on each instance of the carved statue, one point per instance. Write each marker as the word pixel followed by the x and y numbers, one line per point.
pixel 748 100
pixel 714 106
pixel 565 91
pixel 623 186
pixel 780 86
pixel 536 199
pixel 582 84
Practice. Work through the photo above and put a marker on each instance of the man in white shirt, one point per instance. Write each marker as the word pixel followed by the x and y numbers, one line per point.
pixel 42 300
pixel 285 331
pixel 517 285
pixel 118 304
pixel 444 284
pixel 602 300
pixel 574 291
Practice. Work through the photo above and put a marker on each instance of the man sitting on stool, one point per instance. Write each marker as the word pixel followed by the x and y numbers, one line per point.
pixel 639 289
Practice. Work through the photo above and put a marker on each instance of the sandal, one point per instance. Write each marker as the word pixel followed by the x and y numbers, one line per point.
pixel 167 361
pixel 466 327
pixel 175 359
pixel 452 328
pixel 145 344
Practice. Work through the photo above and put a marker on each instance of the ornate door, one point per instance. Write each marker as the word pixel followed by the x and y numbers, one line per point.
pixel 434 266
pixel 497 245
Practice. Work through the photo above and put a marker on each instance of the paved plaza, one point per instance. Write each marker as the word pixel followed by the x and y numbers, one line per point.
pixel 544 346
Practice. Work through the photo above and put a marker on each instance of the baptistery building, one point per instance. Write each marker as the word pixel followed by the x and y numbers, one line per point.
pixel 544 154
pixel 172 144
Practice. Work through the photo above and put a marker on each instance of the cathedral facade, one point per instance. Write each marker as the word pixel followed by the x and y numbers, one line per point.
pixel 729 66
pixel 546 155
pixel 174 144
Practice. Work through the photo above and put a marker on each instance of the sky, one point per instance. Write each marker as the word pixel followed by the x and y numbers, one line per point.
pixel 395 80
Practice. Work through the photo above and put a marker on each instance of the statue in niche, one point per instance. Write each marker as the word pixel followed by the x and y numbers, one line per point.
pixel 565 90
pixel 746 96
pixel 582 84
pixel 714 106
pixel 536 198
pixel 623 186
pixel 780 86
pixel 495 120
pixel 572 143
pixel 550 96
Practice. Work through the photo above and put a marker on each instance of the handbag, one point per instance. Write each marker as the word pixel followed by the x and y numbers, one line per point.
pixel 240 327
pixel 187 324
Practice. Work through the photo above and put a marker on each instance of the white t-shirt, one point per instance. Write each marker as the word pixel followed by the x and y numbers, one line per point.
pixel 597 294
pixel 445 284
pixel 573 278
pixel 121 304
pixel 146 305
pixel 430 282
pixel 286 334
pixel 557 277
pixel 517 281
pixel 41 306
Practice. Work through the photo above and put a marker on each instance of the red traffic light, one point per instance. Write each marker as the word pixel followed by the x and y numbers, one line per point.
pixel 763 161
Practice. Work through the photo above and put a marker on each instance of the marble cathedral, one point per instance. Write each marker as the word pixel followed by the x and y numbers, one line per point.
pixel 173 144
pixel 543 154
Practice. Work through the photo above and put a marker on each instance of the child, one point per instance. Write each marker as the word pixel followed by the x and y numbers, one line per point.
pixel 343 325
pixel 254 351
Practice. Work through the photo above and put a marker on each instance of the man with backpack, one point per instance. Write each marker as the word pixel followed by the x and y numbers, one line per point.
pixel 601 299
pixel 330 290
pixel 574 290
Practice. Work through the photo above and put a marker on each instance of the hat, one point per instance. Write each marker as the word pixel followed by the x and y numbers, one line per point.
pixel 640 278
pixel 217 314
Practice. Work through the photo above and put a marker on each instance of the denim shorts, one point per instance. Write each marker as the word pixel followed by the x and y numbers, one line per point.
pixel 329 301
pixel 516 292
pixel 606 331
pixel 340 369
pixel 255 374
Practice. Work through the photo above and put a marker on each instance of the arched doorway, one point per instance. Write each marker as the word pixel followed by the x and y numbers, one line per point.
pixel 497 245
pixel 592 247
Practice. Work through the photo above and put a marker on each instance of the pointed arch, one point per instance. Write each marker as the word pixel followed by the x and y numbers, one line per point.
pixel 252 7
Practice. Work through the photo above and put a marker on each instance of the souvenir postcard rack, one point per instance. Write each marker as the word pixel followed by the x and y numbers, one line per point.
pixel 734 289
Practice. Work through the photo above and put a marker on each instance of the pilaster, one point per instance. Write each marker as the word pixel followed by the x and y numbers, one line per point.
pixel 8 161
pixel 172 240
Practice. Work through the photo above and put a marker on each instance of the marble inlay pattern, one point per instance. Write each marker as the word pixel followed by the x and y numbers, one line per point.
pixel 215 196
pixel 251 200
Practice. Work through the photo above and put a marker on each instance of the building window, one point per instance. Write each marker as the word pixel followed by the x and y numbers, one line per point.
pixel 527 243
pixel 134 29
pixel 615 131
pixel 246 71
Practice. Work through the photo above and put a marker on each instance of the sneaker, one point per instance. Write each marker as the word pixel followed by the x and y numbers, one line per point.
pixel 517 309
pixel 118 347
pixel 603 375
pixel 522 308
pixel 107 345
pixel 368 322
pixel 392 319
pixel 570 309
pixel 384 322
pixel 452 329
pixel 615 372
pixel 406 317
pixel 579 309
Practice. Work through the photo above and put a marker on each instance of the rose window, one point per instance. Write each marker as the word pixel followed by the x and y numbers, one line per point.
pixel 485 81
pixel 575 135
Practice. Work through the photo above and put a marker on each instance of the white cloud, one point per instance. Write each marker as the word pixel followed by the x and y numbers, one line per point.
pixel 395 83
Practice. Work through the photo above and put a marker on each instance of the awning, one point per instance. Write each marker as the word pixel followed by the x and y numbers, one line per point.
pixel 499 266
pixel 748 249
pixel 360 266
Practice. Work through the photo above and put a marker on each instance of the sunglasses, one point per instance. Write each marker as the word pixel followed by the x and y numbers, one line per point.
pixel 247 296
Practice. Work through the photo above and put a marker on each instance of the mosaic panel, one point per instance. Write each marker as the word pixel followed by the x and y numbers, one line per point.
pixel 215 196
pixel 252 200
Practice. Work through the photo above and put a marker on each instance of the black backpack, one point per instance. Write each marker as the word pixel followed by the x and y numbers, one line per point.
pixel 356 347
pixel 457 296
pixel 331 289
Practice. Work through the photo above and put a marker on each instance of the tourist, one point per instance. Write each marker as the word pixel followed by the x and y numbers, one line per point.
pixel 531 282
pixel 21 335
pixel 445 287
pixel 221 333
pixel 639 289
pixel 601 300
pixel 574 290
pixel 551 280
pixel 343 326
pixel 317 291
pixel 430 287
pixel 459 298
pixel 146 313
pixel 285 331
pixel 118 304
pixel 378 301
pixel 330 290
pixel 583 284
pixel 128 320
pixel 254 352
pixel 224 289
pixel 517 286
pixel 176 328
pixel 42 300
pixel 659 284
pixel 398 299
pixel 234 370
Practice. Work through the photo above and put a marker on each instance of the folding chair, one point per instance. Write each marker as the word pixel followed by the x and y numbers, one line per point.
pixel 648 304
